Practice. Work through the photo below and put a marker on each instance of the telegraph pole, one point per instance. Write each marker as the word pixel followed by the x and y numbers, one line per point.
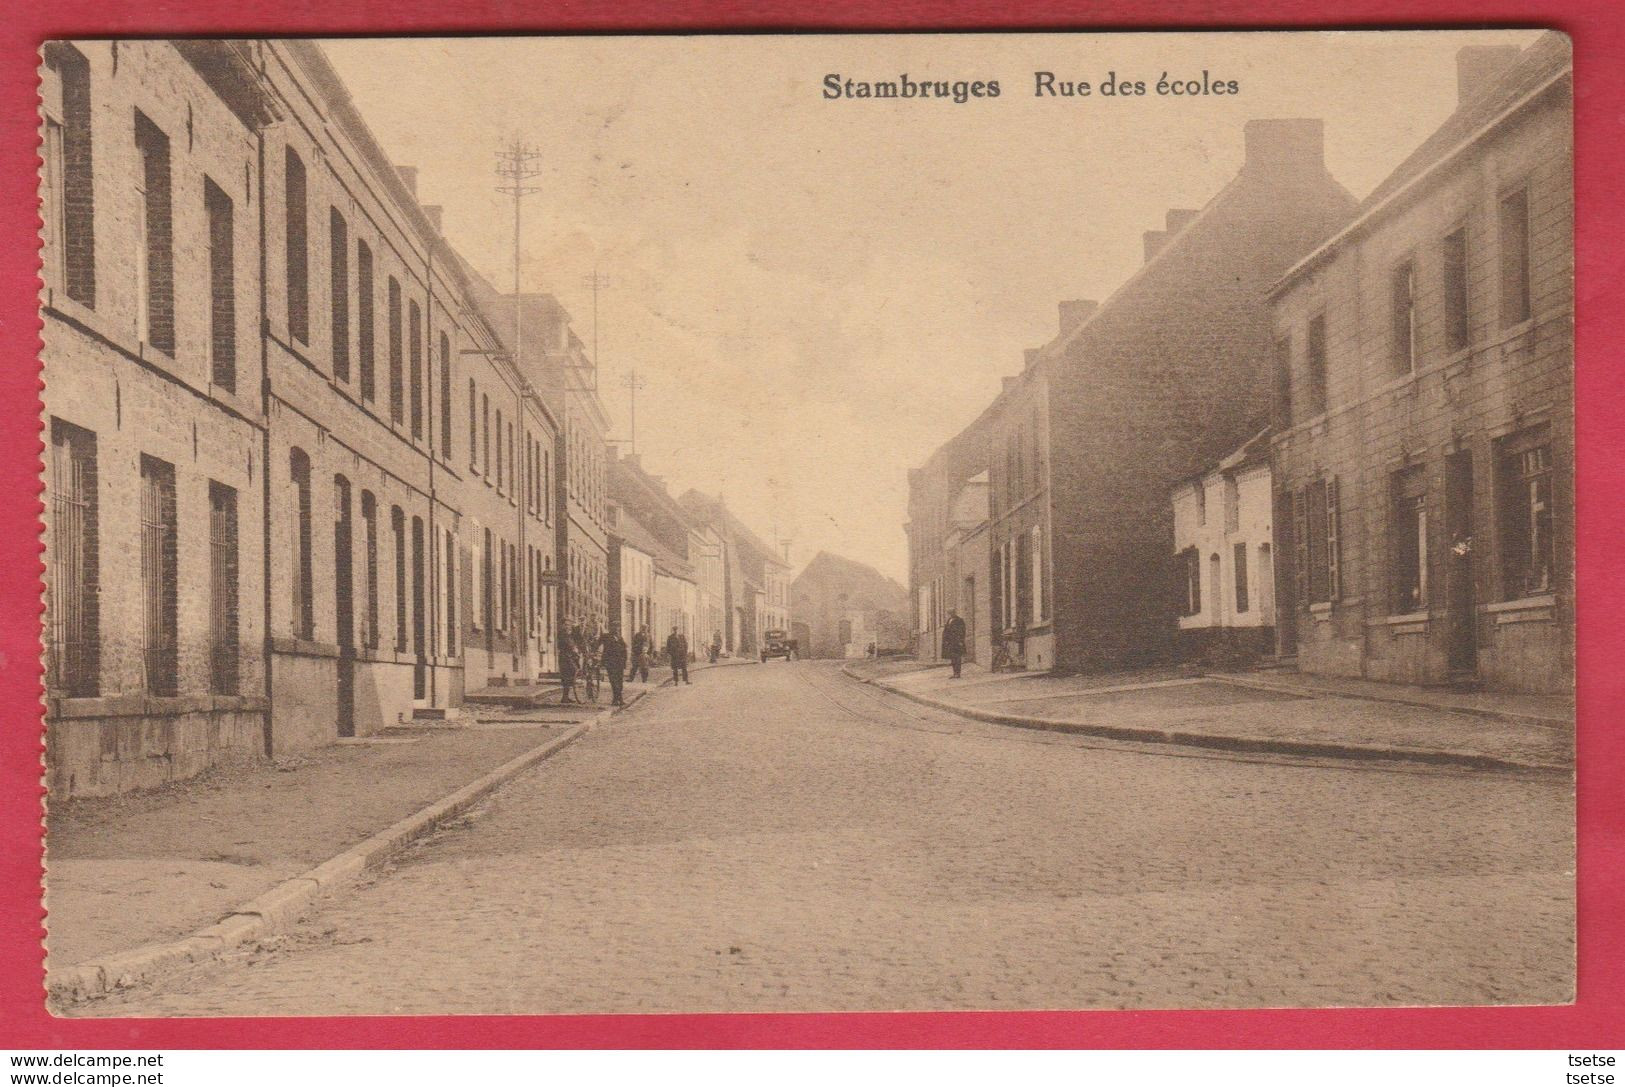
pixel 596 282
pixel 633 383
pixel 517 164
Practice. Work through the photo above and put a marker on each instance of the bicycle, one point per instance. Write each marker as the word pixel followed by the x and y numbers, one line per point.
pixel 592 678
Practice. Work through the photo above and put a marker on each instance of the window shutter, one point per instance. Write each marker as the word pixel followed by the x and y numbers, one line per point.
pixel 1334 543
pixel 1300 543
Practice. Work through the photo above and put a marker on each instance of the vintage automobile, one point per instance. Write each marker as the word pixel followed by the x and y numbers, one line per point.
pixel 778 643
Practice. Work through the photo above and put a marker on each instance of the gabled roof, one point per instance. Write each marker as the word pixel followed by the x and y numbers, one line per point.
pixel 864 585
pixel 713 511
pixel 637 535
pixel 1541 66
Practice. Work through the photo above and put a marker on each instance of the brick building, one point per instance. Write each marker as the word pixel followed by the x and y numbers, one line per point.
pixel 1083 447
pixel 1424 403
pixel 265 364
pixel 755 581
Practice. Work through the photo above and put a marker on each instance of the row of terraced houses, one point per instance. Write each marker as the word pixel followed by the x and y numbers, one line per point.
pixel 307 474
pixel 1311 429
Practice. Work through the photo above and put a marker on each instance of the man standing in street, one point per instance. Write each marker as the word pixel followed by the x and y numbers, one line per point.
pixel 953 641
pixel 612 654
pixel 677 653
pixel 641 651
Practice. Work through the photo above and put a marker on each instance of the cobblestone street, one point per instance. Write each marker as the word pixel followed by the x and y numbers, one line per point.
pixel 780 837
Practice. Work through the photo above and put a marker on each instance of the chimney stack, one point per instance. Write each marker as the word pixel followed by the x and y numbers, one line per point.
pixel 433 211
pixel 1154 241
pixel 1028 357
pixel 1286 143
pixel 1075 312
pixel 409 178
pixel 1478 66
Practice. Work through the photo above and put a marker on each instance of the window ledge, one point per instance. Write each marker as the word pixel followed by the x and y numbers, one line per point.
pixel 303 647
pixel 1322 610
pixel 1523 603
pixel 1409 617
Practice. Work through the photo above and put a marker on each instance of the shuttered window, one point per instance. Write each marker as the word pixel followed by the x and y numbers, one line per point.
pixel 159 576
pixel 223 589
pixel 73 586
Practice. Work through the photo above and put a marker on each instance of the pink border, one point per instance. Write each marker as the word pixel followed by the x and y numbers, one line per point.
pixel 1597 1020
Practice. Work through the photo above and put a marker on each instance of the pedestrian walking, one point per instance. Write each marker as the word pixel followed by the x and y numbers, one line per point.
pixel 642 651
pixel 612 654
pixel 716 645
pixel 677 653
pixel 953 641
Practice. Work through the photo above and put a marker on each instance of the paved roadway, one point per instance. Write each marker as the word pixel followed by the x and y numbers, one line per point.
pixel 779 837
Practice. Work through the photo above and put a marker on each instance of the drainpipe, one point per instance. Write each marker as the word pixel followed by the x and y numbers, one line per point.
pixel 265 431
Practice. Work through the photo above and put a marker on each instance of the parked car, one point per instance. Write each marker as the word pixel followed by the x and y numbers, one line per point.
pixel 778 643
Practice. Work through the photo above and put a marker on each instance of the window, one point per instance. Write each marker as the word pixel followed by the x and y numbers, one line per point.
pixel 304 605
pixel 338 247
pixel 364 343
pixel 1241 577
pixel 397 386
pixel 160 578
pixel 502 588
pixel 485 435
pixel 1524 467
pixel 445 397
pixel 499 451
pixel 1409 534
pixel 1201 502
pixel 451 594
pixel 419 601
pixel 513 465
pixel 223 603
pixel 1453 255
pixel 1191 560
pixel 155 254
pixel 298 247
pixel 222 287
pixel 1316 348
pixel 1514 257
pixel 473 428
pixel 73 584
pixel 1037 547
pixel 1317 532
pixel 1283 383
pixel 70 180
pixel 397 527
pixel 483 575
pixel 1402 294
pixel 414 326
pixel 369 613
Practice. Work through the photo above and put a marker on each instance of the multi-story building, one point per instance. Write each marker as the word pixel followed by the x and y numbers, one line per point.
pixel 748 567
pixel 631 573
pixel 248 308
pixel 156 459
pixel 1083 447
pixel 1424 412
pixel 1224 547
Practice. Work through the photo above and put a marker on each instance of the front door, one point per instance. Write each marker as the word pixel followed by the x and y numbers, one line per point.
pixel 1460 604
pixel 1286 580
pixel 967 609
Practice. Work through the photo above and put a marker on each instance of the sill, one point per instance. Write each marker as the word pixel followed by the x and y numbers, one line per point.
pixel 1409 617
pixel 1523 603
pixel 303 647
pixel 1323 608
pixel 143 705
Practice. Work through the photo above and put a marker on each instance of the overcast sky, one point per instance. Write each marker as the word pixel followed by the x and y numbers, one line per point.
pixel 815 293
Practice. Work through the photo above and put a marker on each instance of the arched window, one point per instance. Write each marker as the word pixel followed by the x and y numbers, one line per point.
pixel 397 524
pixel 445 397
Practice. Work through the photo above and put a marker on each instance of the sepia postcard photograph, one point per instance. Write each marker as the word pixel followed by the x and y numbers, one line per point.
pixel 807 523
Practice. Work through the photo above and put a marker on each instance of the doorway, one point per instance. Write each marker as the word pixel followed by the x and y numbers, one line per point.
pixel 344 604
pixel 1461 620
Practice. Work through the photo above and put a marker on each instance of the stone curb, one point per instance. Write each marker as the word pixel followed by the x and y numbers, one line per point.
pixel 278 908
pixel 1223 742
pixel 1399 700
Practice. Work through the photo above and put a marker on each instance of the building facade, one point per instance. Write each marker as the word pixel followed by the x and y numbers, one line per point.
pixel 1424 403
pixel 845 606
pixel 342 483
pixel 1224 551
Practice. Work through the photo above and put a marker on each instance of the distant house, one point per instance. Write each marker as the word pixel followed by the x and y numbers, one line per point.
pixel 844 606
pixel 1224 552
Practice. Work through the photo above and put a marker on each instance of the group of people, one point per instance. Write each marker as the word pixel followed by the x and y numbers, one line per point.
pixel 582 654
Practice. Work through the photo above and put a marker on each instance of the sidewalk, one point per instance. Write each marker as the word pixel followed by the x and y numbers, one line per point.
pixel 129 871
pixel 1256 711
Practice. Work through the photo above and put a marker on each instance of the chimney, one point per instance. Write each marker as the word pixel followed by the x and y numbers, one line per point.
pixel 1179 218
pixel 1028 357
pixel 409 178
pixel 433 212
pixel 1286 143
pixel 1075 312
pixel 1478 66
pixel 1009 383
pixel 1154 241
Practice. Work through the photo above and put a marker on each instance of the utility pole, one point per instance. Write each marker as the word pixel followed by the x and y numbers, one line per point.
pixel 633 383
pixel 517 164
pixel 596 282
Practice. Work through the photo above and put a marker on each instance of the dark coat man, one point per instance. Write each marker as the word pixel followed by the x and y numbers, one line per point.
pixel 677 653
pixel 612 655
pixel 568 665
pixel 953 641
